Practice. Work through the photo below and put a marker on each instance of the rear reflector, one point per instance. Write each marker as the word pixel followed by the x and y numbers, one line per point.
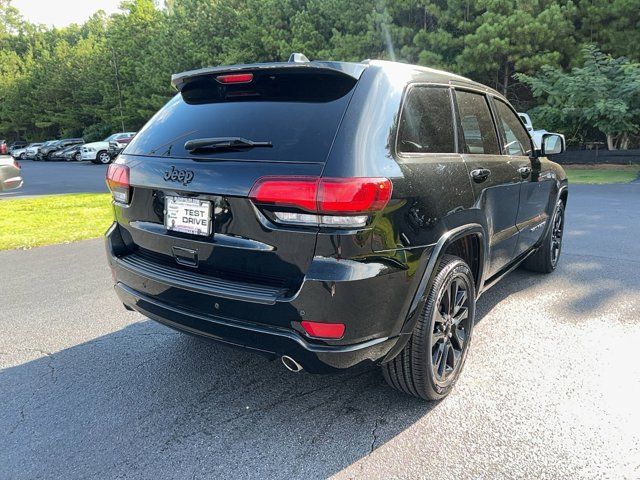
pixel 118 182
pixel 324 195
pixel 323 330
pixel 235 78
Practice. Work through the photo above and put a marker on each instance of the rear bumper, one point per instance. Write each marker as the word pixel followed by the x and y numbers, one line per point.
pixel 264 321
pixel 11 183
pixel 270 341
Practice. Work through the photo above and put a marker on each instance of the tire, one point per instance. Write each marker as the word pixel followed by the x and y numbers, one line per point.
pixel 103 157
pixel 23 156
pixel 77 157
pixel 438 340
pixel 49 157
pixel 545 259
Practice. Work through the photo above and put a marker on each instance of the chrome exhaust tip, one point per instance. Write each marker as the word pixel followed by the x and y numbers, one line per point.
pixel 290 364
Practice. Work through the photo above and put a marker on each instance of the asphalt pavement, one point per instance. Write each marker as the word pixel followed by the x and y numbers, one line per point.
pixel 49 178
pixel 551 387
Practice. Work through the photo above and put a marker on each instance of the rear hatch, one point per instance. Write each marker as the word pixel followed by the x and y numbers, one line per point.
pixel 293 113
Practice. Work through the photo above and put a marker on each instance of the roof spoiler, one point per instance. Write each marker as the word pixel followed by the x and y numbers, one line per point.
pixel 296 61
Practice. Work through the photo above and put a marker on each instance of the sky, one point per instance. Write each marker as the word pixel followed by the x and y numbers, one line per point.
pixel 61 13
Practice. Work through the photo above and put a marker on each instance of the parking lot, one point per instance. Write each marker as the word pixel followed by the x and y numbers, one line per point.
pixel 44 178
pixel 550 389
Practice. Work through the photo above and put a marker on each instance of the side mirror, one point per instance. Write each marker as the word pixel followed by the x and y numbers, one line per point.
pixel 552 144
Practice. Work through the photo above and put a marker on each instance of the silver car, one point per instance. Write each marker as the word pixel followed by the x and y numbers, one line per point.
pixel 32 150
pixel 21 153
pixel 10 174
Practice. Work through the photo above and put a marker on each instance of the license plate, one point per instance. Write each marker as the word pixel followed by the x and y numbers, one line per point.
pixel 187 215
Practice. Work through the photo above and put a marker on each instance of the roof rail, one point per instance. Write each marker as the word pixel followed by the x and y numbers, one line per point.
pixel 298 58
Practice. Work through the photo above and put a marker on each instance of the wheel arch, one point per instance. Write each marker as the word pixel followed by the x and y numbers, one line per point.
pixel 561 194
pixel 564 193
pixel 471 241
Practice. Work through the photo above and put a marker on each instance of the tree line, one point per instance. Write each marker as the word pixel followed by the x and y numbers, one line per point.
pixel 112 72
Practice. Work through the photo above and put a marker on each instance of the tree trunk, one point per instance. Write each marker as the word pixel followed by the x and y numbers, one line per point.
pixel 505 78
pixel 611 142
pixel 624 142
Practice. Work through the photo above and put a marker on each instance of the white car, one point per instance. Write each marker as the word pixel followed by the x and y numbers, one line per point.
pixel 536 135
pixel 98 152
pixel 19 153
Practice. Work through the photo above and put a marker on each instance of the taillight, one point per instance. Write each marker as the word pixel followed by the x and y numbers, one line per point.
pixel 118 182
pixel 235 78
pixel 336 202
pixel 331 331
pixel 353 195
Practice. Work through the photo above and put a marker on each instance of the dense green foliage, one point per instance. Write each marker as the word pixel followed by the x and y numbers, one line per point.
pixel 604 92
pixel 112 73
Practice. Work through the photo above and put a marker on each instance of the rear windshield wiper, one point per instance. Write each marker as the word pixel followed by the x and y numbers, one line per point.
pixel 222 143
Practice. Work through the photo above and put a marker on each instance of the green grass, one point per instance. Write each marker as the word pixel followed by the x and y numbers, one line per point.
pixel 602 173
pixel 32 222
pixel 46 220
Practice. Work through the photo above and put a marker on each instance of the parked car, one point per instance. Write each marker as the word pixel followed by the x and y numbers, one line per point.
pixel 116 146
pixel 98 152
pixel 45 145
pixel 19 144
pixel 48 152
pixel 536 135
pixel 10 174
pixel 361 233
pixel 21 152
pixel 3 147
pixel 72 152
pixel 31 151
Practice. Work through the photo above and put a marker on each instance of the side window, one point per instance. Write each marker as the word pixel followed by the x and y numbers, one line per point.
pixel 426 125
pixel 516 139
pixel 478 133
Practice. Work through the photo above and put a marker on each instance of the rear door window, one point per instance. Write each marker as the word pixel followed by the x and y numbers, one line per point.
pixel 297 110
pixel 426 125
pixel 515 138
pixel 476 124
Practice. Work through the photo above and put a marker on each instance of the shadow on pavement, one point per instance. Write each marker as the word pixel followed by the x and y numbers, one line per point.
pixel 146 400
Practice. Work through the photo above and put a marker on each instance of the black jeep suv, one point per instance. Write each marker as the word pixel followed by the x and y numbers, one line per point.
pixel 332 214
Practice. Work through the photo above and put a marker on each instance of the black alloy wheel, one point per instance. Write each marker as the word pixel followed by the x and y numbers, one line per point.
pixel 431 361
pixel 557 229
pixel 450 330
pixel 545 259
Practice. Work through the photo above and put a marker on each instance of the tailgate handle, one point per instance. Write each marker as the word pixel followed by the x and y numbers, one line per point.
pixel 185 256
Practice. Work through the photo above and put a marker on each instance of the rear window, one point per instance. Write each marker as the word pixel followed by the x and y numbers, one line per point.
pixel 298 112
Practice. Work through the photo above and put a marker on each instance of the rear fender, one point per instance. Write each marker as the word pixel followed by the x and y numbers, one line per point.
pixel 428 277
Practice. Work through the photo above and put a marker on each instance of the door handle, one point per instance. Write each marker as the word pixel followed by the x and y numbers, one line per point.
pixel 479 175
pixel 524 171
